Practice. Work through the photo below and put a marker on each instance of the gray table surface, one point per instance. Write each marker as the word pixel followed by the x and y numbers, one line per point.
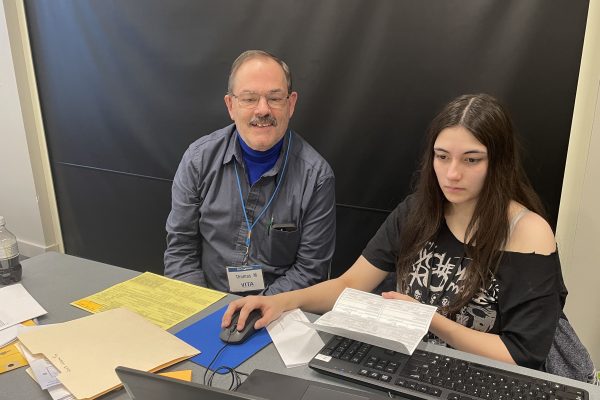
pixel 55 280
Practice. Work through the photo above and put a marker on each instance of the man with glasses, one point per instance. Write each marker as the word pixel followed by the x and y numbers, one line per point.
pixel 253 204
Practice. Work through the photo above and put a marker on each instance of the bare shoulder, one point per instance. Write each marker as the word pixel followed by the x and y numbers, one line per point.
pixel 531 233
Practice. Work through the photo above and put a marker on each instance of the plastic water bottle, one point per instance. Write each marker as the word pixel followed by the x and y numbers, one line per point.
pixel 10 267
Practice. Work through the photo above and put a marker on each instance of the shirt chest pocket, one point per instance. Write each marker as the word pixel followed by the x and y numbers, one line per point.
pixel 281 244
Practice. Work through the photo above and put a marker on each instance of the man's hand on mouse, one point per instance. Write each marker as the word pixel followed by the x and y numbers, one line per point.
pixel 268 305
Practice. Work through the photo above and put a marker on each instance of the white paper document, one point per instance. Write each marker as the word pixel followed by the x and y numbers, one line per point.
pixel 43 372
pixel 9 335
pixel 58 392
pixel 17 305
pixel 296 342
pixel 392 324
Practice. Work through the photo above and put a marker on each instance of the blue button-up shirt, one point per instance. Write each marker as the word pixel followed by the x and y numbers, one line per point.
pixel 206 229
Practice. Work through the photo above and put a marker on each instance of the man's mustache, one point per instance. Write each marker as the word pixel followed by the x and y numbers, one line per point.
pixel 264 120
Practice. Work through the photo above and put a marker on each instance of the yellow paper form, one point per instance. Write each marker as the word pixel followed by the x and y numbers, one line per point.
pixel 163 301
pixel 184 375
pixel 10 357
pixel 87 350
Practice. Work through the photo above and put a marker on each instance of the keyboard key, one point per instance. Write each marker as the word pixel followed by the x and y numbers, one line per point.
pixel 415 376
pixel 570 389
pixel 380 365
pixel 556 386
pixel 390 369
pixel 386 378
pixel 423 388
pixel 373 374
pixel 412 385
pixel 567 396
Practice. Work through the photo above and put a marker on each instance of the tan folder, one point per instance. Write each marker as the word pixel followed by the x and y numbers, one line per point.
pixel 87 350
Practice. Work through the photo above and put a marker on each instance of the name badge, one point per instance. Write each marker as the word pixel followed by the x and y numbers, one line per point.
pixel 245 279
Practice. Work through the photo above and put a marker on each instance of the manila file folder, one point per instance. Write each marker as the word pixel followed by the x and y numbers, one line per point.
pixel 87 350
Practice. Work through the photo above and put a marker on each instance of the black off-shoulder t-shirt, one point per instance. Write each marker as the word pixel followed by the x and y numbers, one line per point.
pixel 522 304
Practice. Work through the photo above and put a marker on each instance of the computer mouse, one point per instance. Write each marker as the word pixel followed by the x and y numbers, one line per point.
pixel 231 335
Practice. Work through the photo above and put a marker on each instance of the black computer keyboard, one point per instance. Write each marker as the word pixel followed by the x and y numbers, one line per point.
pixel 426 375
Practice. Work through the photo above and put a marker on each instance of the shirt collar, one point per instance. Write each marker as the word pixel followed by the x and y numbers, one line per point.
pixel 234 150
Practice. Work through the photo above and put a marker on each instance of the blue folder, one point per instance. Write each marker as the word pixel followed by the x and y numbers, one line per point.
pixel 204 335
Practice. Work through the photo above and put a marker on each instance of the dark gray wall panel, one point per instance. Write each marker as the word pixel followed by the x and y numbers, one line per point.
pixel 113 218
pixel 354 227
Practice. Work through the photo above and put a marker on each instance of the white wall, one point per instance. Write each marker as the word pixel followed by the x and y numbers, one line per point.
pixel 18 199
pixel 26 195
pixel 578 228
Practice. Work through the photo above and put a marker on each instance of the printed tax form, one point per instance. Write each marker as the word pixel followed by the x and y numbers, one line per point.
pixel 392 324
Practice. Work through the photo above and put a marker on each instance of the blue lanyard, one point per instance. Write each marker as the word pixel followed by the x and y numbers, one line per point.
pixel 237 176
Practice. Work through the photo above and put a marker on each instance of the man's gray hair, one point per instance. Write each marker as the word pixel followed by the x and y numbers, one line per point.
pixel 250 54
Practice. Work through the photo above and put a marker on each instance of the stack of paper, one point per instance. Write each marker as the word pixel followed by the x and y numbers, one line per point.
pixel 392 324
pixel 86 351
pixel 16 306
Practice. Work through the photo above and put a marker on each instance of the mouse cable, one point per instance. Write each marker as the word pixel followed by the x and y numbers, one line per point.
pixel 239 380
pixel 212 361
pixel 236 380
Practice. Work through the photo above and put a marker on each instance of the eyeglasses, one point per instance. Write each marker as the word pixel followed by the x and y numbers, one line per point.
pixel 251 100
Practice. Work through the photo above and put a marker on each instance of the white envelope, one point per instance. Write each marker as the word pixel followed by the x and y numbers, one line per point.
pixel 296 342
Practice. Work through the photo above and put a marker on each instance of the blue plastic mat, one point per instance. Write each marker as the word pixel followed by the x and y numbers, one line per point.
pixel 204 335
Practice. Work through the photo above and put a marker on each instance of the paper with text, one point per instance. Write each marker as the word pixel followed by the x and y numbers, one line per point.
pixel 17 305
pixel 392 324
pixel 296 342
pixel 9 334
pixel 43 372
pixel 161 300
pixel 58 392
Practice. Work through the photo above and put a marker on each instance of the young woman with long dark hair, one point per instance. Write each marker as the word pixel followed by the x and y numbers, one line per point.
pixel 471 240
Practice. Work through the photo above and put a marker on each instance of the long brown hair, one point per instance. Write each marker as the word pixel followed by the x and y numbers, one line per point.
pixel 488 230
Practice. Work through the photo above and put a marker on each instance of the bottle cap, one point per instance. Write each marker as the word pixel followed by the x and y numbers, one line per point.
pixel 2 220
